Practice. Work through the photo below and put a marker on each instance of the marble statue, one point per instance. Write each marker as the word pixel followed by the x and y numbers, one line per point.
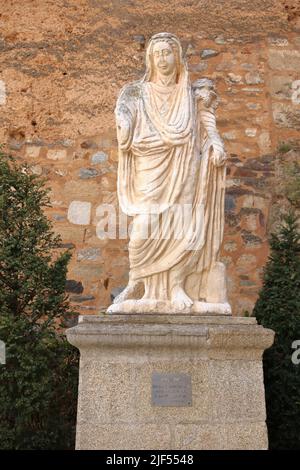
pixel 171 181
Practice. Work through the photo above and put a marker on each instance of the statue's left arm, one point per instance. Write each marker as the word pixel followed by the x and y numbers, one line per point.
pixel 207 103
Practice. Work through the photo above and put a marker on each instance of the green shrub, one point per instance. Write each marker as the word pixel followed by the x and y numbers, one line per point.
pixel 278 308
pixel 38 383
pixel 285 147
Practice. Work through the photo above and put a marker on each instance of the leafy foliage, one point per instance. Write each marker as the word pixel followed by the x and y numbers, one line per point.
pixel 38 383
pixel 291 178
pixel 278 308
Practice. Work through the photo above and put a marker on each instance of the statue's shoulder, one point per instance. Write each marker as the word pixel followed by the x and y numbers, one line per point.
pixel 131 91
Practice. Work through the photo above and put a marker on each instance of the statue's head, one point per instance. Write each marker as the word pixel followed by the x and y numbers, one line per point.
pixel 164 55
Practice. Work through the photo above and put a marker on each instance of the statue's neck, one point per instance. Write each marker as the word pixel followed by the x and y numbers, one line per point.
pixel 164 80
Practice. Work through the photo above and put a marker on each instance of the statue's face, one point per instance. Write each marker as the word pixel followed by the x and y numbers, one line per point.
pixel 163 57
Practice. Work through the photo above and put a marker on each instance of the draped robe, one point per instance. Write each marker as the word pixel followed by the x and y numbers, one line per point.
pixel 165 162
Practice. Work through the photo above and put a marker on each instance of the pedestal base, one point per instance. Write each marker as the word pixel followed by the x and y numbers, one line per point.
pixel 217 402
pixel 166 307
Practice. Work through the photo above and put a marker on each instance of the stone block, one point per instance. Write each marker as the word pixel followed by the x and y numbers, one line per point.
pixel 32 151
pixel 229 203
pixel 89 190
pixel 199 436
pixel 2 93
pixel 250 132
pixel 234 78
pixel 81 298
pixel 208 53
pixel 278 41
pixel 74 286
pixel 281 86
pixel 226 436
pixel 88 144
pixel 88 271
pixel 230 135
pixel 264 142
pixel 245 263
pixel 284 60
pixel 252 436
pixel 87 173
pixel 37 170
pixel 57 154
pixel 285 115
pixel 79 212
pixel 253 78
pixel 250 239
pixel 258 202
pixel 197 67
pixel 99 157
pixel 230 246
pixel 70 233
pixel 126 437
pixel 58 217
pixel 253 105
pixel 89 254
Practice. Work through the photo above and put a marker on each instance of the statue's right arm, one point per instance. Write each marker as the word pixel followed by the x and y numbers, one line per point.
pixel 123 121
pixel 125 114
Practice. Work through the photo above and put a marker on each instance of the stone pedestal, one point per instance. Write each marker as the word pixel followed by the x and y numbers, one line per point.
pixel 120 406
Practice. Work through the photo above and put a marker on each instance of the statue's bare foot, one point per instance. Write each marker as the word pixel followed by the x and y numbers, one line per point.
pixel 132 291
pixel 180 299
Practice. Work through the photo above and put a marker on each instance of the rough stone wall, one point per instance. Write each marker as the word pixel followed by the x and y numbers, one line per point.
pixel 62 65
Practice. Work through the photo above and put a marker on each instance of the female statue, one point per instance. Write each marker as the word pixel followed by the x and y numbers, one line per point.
pixel 171 171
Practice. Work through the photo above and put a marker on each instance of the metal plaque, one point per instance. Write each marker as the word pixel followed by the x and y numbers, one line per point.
pixel 171 389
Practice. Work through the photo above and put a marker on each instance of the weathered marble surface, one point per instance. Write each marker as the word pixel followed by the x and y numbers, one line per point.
pixel 171 176
pixel 165 306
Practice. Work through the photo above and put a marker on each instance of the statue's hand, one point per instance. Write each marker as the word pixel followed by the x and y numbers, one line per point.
pixel 218 154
